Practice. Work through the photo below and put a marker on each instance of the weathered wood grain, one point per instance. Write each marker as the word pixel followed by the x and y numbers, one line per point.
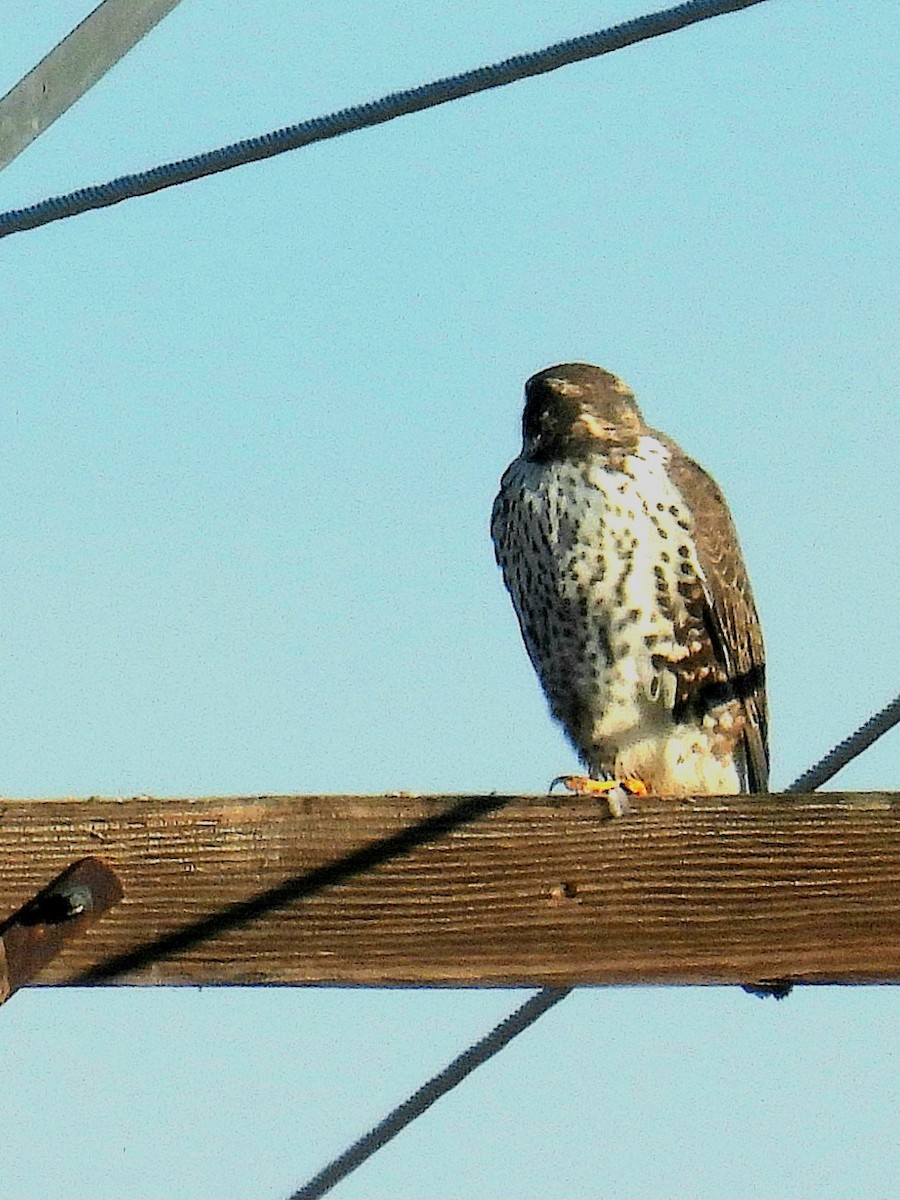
pixel 489 890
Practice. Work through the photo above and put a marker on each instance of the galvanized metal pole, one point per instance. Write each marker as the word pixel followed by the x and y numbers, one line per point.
pixel 72 67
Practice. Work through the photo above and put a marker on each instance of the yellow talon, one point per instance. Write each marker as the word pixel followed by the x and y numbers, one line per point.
pixel 634 786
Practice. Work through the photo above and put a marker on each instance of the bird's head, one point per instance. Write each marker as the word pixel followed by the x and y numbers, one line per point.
pixel 575 408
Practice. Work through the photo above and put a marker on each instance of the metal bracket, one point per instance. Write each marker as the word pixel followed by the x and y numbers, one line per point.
pixel 36 933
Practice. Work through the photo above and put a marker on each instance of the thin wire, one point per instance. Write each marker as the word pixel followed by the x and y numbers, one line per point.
pixel 436 1087
pixel 362 116
pixel 844 752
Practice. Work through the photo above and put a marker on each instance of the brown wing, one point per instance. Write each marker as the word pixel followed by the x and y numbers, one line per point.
pixel 729 610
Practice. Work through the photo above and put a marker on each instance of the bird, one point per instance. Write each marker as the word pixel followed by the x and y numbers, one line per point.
pixel 625 572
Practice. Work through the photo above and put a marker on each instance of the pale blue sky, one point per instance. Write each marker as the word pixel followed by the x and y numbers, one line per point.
pixel 252 429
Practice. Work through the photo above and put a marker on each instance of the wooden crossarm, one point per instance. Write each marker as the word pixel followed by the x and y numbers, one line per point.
pixel 472 890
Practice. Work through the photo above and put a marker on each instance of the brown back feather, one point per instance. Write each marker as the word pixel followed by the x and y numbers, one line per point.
pixel 729 609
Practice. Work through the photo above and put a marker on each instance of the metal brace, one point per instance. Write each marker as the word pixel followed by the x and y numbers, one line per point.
pixel 36 933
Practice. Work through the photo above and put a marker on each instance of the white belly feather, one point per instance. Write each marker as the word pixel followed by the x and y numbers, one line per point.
pixel 575 516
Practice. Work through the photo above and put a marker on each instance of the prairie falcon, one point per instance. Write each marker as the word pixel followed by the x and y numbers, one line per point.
pixel 626 575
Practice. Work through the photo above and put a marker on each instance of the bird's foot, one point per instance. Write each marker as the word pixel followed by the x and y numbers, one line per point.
pixel 583 785
pixel 616 792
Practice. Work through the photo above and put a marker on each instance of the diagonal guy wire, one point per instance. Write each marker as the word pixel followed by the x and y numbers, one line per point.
pixel 844 752
pixel 455 1072
pixel 363 116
